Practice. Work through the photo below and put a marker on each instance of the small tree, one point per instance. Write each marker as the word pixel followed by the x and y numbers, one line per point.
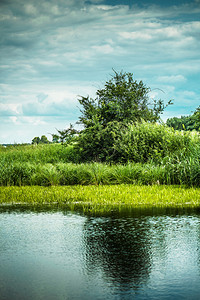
pixel 36 140
pixel 55 138
pixel 44 140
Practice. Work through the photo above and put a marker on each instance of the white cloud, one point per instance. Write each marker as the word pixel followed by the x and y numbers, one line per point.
pixel 14 119
pixel 11 109
pixel 106 7
pixel 172 79
pixel 33 121
pixel 136 35
pixel 104 49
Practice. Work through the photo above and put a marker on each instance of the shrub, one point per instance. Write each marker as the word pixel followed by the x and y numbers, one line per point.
pixel 143 142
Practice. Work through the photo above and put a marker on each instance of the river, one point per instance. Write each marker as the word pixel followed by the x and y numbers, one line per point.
pixel 58 254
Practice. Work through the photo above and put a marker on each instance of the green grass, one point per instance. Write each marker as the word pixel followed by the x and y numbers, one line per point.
pixel 103 198
pixel 162 170
pixel 42 153
pixel 55 164
pixel 173 171
pixel 50 174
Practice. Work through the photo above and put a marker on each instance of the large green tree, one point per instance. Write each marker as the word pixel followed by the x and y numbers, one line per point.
pixel 122 99
pixel 120 102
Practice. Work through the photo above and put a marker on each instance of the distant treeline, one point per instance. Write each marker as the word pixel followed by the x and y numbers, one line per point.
pixel 189 123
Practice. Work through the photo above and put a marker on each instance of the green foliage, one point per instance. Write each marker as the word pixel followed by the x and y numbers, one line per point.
pixel 197 117
pixel 143 142
pixel 183 123
pixel 36 140
pixel 101 199
pixel 148 153
pixel 169 171
pixel 16 173
pixel 123 99
pixel 55 138
pixel 121 102
pixel 183 169
pixel 140 142
pixel 66 136
pixel 71 174
pixel 97 143
pixel 45 175
pixel 42 153
pixel 42 140
pixel 189 123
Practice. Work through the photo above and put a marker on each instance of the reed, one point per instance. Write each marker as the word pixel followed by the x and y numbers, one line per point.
pixel 171 171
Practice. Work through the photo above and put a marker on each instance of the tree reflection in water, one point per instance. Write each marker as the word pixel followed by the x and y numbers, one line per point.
pixel 120 248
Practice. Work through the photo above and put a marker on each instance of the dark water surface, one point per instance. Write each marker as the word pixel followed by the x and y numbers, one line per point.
pixel 51 254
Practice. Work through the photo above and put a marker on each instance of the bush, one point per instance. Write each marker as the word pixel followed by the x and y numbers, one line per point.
pixel 97 143
pixel 143 142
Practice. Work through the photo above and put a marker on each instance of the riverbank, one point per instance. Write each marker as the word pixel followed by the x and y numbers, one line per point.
pixel 103 198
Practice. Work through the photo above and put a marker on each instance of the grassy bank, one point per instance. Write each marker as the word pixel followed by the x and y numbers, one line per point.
pixel 103 198
pixel 151 154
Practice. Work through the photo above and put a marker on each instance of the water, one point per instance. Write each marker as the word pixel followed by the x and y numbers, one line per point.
pixel 63 255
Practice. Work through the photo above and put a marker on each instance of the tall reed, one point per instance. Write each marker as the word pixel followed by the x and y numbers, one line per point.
pixel 172 171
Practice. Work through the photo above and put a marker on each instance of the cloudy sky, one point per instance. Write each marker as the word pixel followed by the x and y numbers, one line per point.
pixel 52 51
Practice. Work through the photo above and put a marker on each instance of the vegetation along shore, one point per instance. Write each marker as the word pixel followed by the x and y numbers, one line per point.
pixel 103 198
pixel 124 156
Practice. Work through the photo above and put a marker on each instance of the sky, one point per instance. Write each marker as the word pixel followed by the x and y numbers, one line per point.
pixel 52 52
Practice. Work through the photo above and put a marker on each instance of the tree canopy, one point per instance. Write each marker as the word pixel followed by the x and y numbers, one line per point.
pixel 122 99
pixel 42 140
pixel 121 102
pixel 120 124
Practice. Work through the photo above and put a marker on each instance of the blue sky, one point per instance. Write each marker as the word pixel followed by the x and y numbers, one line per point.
pixel 53 51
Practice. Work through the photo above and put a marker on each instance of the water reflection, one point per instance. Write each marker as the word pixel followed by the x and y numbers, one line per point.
pixel 55 254
pixel 151 255
pixel 119 247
